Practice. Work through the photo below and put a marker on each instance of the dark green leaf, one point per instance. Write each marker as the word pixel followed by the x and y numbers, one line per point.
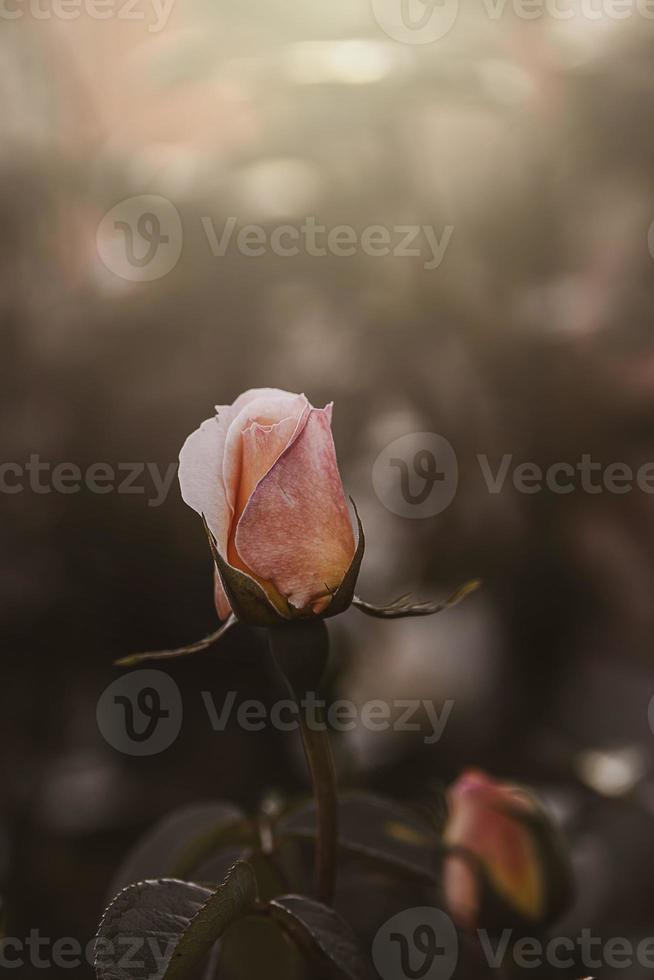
pixel 176 846
pixel 256 948
pixel 163 930
pixel 323 935
pixel 377 830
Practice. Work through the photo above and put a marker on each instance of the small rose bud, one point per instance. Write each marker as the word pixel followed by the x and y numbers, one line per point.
pixel 263 474
pixel 505 866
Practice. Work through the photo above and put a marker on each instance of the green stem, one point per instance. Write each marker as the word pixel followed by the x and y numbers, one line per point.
pixel 323 776
pixel 301 650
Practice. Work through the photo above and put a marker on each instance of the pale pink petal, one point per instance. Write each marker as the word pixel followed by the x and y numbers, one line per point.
pixel 295 530
pixel 201 483
pixel 266 406
pixel 201 476
pixel 201 465
pixel 262 447
pixel 251 395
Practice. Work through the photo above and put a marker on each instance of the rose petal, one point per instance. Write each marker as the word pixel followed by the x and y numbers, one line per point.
pixel 262 445
pixel 201 476
pixel 295 530
pixel 202 458
pixel 266 406
pixel 201 484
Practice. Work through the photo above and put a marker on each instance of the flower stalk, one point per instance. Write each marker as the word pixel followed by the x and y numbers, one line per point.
pixel 323 776
pixel 301 651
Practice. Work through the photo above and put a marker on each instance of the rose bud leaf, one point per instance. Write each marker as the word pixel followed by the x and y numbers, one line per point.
pixel 172 924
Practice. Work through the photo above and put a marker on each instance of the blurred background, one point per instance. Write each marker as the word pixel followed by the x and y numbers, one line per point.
pixel 531 140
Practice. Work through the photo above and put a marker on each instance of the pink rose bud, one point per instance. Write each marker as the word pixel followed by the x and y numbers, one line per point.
pixel 505 865
pixel 263 474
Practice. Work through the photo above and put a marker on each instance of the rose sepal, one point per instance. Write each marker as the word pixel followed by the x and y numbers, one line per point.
pixel 405 606
pixel 554 855
pixel 343 596
pixel 199 646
